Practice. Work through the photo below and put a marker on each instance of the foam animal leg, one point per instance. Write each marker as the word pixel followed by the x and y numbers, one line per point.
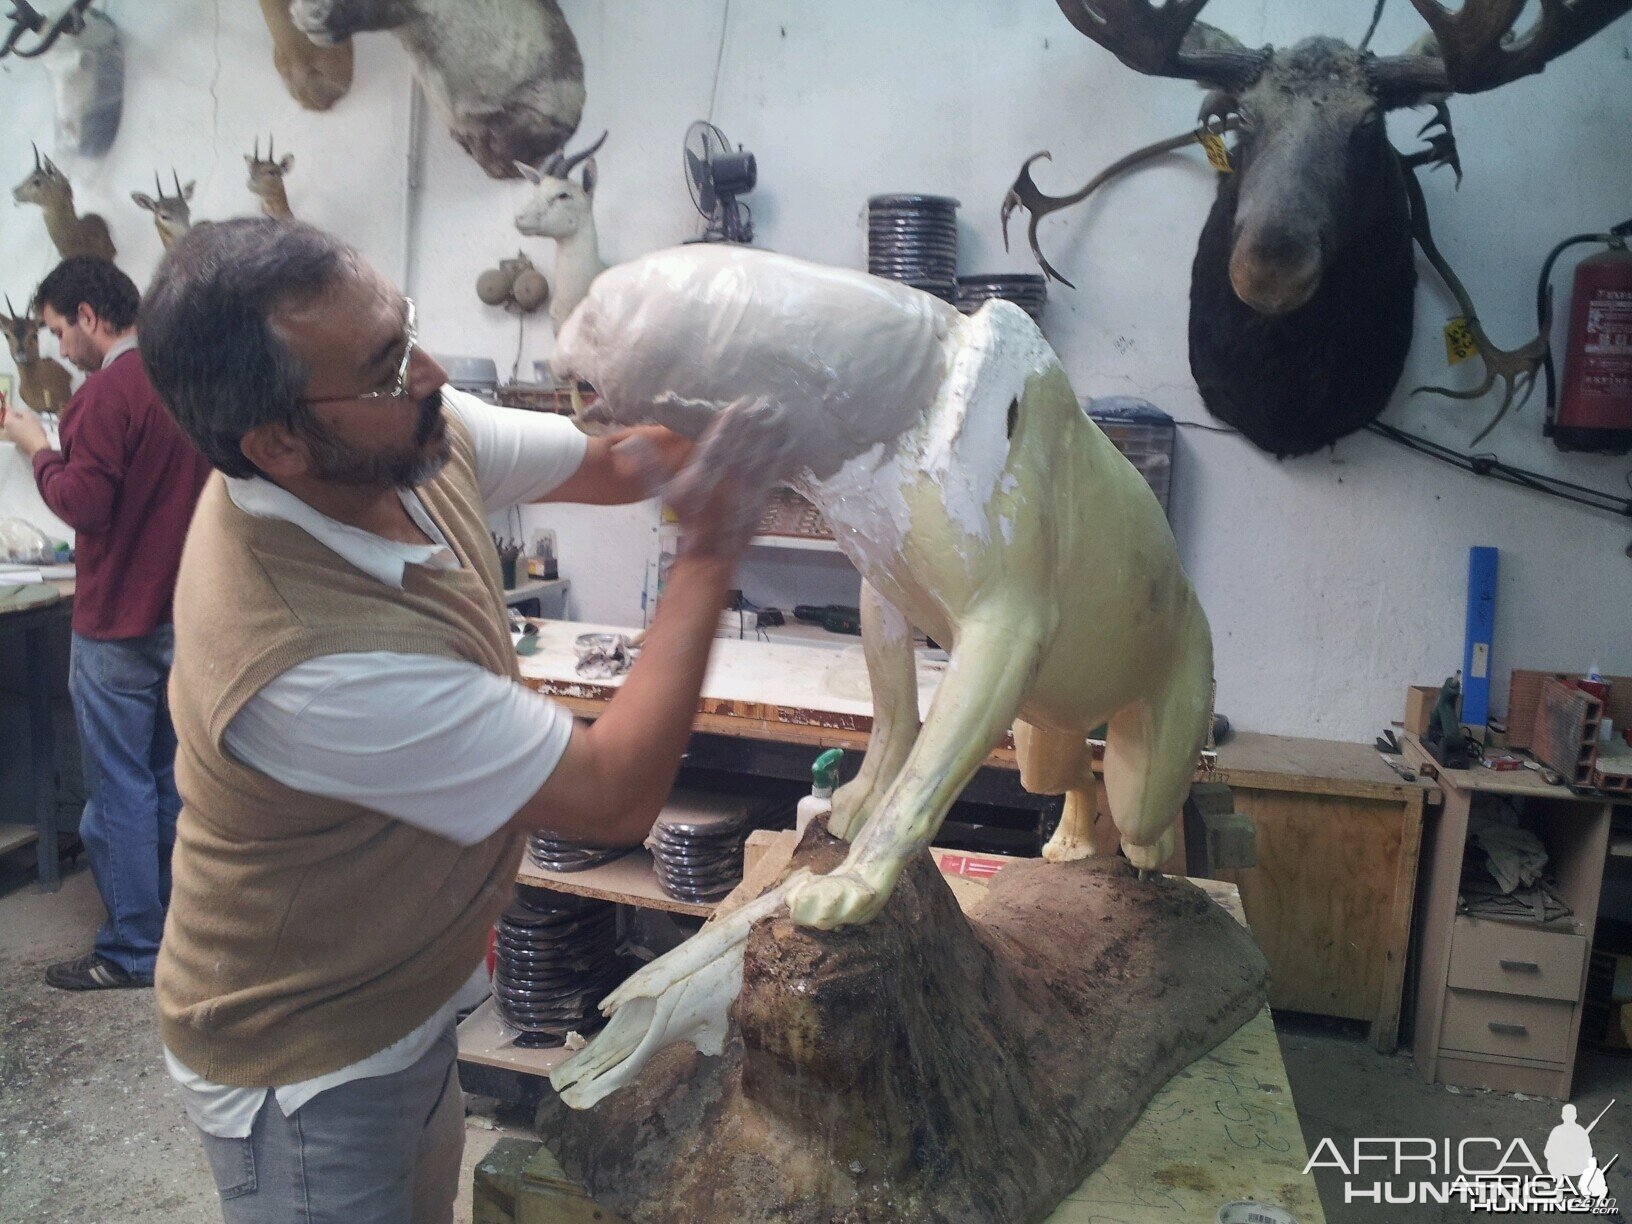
pixel 989 672
pixel 1151 749
pixel 683 995
pixel 1055 763
pixel 892 671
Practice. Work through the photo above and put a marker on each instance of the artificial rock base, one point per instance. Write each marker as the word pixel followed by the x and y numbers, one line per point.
pixel 926 1066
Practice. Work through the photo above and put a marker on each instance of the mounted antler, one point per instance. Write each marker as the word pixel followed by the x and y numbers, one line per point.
pixel 1478 49
pixel 26 20
pixel 1164 40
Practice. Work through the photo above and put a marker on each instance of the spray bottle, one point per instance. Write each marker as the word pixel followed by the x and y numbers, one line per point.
pixel 824 775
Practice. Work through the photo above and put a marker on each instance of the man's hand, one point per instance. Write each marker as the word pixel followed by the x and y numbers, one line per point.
pixel 720 495
pixel 20 426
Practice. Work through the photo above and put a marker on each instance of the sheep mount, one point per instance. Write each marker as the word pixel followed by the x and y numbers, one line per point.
pixel 1302 286
pixel 717 176
pixel 504 75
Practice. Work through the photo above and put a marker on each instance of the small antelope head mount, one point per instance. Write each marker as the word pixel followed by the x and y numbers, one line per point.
pixel 172 215
pixel 558 207
pixel 46 185
pixel 266 178
pixel 22 334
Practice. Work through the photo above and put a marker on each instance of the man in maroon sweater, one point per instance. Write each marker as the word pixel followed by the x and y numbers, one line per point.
pixel 126 480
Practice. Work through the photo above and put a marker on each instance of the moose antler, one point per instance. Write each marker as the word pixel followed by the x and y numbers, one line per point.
pixel 1151 38
pixel 1478 49
pixel 1515 367
pixel 1024 193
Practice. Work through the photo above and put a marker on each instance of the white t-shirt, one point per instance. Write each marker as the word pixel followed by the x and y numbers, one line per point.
pixel 446 746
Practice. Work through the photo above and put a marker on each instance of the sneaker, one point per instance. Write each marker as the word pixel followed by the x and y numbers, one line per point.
pixel 93 972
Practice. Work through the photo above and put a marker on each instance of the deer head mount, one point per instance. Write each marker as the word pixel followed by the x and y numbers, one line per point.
pixel 172 214
pixel 504 75
pixel 87 71
pixel 71 233
pixel 266 178
pixel 43 384
pixel 561 209
pixel 1302 283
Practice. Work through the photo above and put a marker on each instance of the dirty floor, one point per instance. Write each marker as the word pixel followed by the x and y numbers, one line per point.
pixel 91 1128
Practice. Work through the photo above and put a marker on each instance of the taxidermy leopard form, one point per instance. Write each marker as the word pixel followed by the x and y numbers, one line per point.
pixel 981 505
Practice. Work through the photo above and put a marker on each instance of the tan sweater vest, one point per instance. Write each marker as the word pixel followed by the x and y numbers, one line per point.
pixel 305 933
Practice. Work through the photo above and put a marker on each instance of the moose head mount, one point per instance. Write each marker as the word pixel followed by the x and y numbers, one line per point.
pixel 1302 283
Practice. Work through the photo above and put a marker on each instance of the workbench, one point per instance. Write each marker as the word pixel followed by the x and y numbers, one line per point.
pixel 34 624
pixel 1499 1003
pixel 1223 1129
pixel 1338 832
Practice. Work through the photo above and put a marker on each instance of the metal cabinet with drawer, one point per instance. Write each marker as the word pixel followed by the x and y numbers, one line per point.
pixel 1498 1002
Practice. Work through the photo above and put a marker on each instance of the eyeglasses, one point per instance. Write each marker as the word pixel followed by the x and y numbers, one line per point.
pixel 399 385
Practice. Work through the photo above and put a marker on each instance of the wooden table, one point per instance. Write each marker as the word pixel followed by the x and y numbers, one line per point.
pixel 1225 1128
pixel 34 623
pixel 1338 832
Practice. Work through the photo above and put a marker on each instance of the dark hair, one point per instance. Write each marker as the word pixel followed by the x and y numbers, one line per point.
pixel 95 282
pixel 205 332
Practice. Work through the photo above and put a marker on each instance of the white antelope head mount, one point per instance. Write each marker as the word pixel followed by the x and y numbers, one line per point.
pixel 558 207
pixel 172 214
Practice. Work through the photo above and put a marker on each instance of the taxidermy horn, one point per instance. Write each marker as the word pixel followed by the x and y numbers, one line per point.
pixel 36 154
pixel 568 164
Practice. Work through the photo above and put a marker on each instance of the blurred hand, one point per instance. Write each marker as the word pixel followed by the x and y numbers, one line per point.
pixel 20 426
pixel 720 495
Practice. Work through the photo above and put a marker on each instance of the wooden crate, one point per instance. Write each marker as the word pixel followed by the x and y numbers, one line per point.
pixel 1565 735
pixel 1524 695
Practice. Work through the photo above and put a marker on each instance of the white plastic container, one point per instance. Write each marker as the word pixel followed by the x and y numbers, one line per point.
pixel 824 776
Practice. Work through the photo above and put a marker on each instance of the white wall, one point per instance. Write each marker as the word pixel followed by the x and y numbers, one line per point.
pixel 1332 582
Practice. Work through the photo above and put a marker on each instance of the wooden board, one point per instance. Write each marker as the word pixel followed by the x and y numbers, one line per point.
pixel 16 836
pixel 1330 898
pixel 1526 783
pixel 630 880
pixel 486 1040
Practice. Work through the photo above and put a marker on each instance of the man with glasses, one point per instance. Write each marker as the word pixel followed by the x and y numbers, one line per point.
pixel 125 479
pixel 358 761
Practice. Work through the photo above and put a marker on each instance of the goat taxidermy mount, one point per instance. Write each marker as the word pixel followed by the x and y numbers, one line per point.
pixel 561 209
pixel 504 75
pixel 71 233
pixel 515 282
pixel 266 176
pixel 1302 287
pixel 87 69
pixel 172 214
pixel 316 77
pixel 43 384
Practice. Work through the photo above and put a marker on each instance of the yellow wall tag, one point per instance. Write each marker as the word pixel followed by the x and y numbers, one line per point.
pixel 1459 345
pixel 1217 154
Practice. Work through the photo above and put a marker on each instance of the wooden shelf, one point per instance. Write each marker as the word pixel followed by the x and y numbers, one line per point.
pixel 484 1039
pixel 16 836
pixel 630 880
pixel 804 543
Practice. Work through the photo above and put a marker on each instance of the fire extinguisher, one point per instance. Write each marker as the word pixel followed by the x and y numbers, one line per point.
pixel 1592 409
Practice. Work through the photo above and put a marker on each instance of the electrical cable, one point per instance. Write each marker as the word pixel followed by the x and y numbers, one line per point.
pixel 1490 465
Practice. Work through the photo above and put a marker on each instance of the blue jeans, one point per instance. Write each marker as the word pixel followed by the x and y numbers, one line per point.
pixel 128 749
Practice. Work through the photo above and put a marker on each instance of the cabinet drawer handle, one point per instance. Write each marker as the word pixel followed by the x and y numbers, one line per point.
pixel 1508 1030
pixel 1521 966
